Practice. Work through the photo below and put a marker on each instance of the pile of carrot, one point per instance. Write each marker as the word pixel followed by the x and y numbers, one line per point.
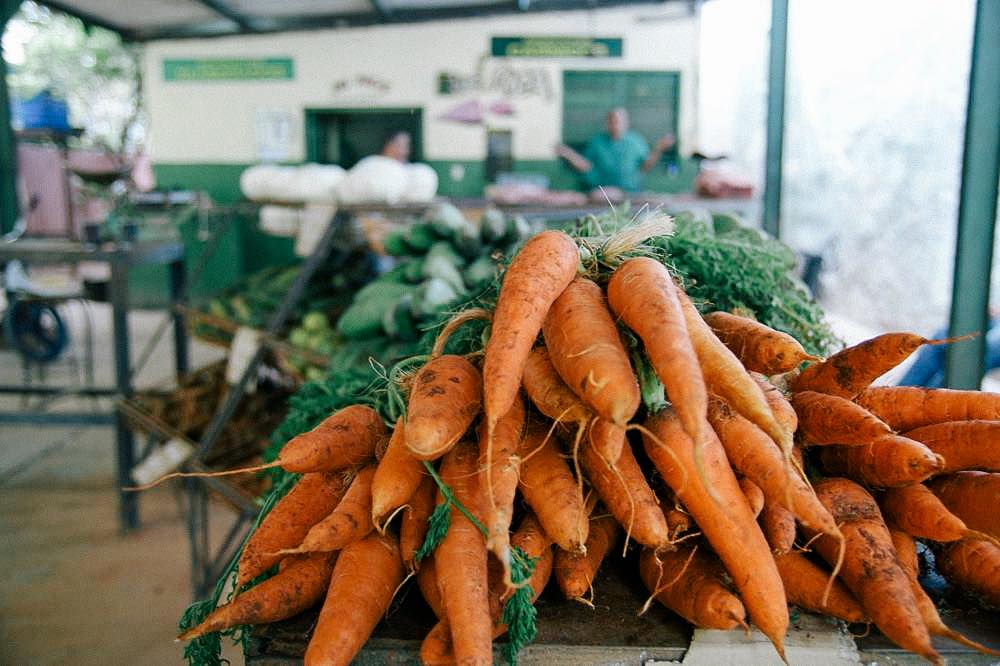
pixel 545 455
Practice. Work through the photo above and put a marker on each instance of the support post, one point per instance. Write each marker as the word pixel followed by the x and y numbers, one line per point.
pixel 9 208
pixel 775 117
pixel 977 206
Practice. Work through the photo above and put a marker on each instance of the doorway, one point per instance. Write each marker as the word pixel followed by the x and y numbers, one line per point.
pixel 344 136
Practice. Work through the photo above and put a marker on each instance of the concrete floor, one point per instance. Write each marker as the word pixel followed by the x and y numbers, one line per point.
pixel 72 589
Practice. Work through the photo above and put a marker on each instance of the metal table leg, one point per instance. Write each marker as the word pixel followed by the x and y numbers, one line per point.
pixel 177 296
pixel 128 502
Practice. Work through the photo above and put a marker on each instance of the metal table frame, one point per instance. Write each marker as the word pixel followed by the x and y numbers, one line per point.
pixel 121 257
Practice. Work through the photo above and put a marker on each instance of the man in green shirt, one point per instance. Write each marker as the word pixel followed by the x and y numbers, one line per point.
pixel 616 159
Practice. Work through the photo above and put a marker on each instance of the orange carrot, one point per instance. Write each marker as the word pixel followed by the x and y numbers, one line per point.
pixel 538 274
pixel 754 495
pixel 585 349
pixel 727 524
pixel 460 561
pixel 755 455
pixel 436 649
pixel 396 477
pixel 776 400
pixel 413 528
pixel 870 569
pixel 549 393
pixel 642 293
pixel 760 348
pixel 918 512
pixel 678 522
pixel 828 419
pixel 503 471
pixel 308 502
pixel 806 584
pixel 778 524
pixel 297 587
pixel 688 581
pixel 575 572
pixel 964 445
pixel 626 493
pixel 850 371
pixel 906 553
pixel 364 580
pixel 908 407
pixel 549 488
pixel 348 438
pixel 972 497
pixel 607 439
pixel 726 377
pixel 350 521
pixel 888 461
pixel 972 565
pixel 445 397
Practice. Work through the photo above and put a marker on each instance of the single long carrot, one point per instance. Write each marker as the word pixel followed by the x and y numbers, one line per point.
pixel 549 393
pixel 349 521
pixel 760 348
pixel 607 439
pixel 397 477
pixel 309 501
pixel 754 495
pixel 413 527
pixel 964 445
pixel 778 524
pixel 850 371
pixel 828 419
pixel 972 565
pixel 918 512
pixel 428 584
pixel 727 524
pixel 626 493
pixel 643 295
pixel 905 408
pixel 538 274
pixel 688 581
pixel 726 377
pixel 460 561
pixel 906 555
pixel 972 497
pixel 575 572
pixel 870 569
pixel 586 350
pixel 885 462
pixel 779 404
pixel 364 580
pixel 755 455
pixel 500 478
pixel 806 584
pixel 548 486
pixel 298 586
pixel 348 438
pixel 445 397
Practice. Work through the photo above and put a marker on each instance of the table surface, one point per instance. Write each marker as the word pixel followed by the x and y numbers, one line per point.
pixel 569 632
pixel 60 250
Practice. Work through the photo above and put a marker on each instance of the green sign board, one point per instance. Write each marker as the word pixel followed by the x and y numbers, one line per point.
pixel 228 69
pixel 557 47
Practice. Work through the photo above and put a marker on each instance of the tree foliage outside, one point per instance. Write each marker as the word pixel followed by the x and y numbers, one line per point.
pixel 90 68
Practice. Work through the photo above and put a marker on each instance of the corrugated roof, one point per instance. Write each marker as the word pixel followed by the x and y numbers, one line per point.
pixel 144 20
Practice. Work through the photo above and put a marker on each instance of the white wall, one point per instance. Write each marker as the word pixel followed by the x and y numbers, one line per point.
pixel 214 121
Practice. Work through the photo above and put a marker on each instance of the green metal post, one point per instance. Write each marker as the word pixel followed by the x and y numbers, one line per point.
pixel 8 148
pixel 977 206
pixel 775 117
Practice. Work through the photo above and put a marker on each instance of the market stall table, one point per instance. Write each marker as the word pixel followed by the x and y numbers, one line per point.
pixel 121 257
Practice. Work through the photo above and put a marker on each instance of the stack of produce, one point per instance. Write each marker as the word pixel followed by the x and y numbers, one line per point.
pixel 443 261
pixel 616 399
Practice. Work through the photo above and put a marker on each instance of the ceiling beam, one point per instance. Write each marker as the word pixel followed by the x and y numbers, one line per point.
pixel 89 19
pixel 362 19
pixel 222 9
pixel 384 13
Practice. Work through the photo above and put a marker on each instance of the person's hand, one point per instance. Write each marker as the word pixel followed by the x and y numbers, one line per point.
pixel 665 143
pixel 562 150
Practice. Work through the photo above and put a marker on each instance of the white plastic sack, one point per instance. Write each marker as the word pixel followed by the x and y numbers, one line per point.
pixel 302 184
pixel 279 220
pixel 374 179
pixel 422 183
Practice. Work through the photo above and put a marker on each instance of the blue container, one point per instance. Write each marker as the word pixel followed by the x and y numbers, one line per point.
pixel 43 111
